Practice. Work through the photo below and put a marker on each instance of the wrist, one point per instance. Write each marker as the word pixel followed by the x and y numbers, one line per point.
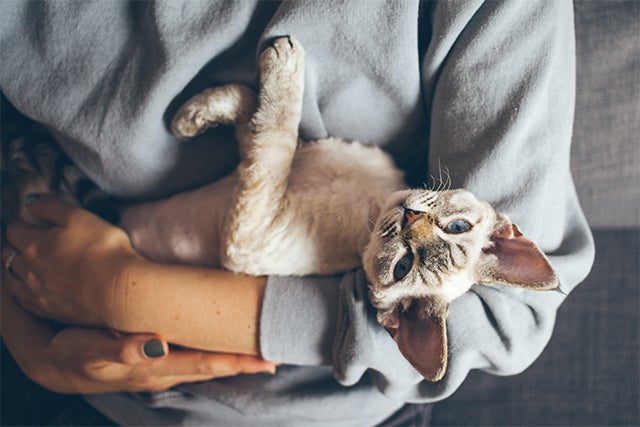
pixel 124 307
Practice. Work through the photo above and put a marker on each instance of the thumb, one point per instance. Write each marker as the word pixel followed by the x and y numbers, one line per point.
pixel 134 349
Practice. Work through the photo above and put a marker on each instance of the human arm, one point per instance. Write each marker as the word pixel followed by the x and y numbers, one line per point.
pixel 498 83
pixel 354 79
pixel 82 270
pixel 86 360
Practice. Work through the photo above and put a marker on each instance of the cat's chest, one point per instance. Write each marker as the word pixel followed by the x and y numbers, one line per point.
pixel 335 193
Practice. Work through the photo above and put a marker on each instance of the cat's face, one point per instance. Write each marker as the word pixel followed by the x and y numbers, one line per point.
pixel 429 247
pixel 427 243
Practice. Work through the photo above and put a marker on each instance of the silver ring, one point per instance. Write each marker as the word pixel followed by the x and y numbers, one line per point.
pixel 9 262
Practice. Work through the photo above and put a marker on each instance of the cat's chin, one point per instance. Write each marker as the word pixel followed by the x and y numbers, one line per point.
pixel 389 317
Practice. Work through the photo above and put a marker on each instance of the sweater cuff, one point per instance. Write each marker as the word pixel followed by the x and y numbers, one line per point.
pixel 298 319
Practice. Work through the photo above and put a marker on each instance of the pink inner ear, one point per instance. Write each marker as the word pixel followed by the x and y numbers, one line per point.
pixel 517 262
pixel 421 336
pixel 424 343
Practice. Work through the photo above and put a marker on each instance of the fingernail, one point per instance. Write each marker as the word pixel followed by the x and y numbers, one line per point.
pixel 153 349
pixel 30 198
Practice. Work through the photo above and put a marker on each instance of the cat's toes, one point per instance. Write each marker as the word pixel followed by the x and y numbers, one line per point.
pixel 284 60
pixel 191 120
pixel 221 105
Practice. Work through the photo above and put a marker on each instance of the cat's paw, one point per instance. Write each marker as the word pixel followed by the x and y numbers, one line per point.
pixel 222 105
pixel 282 68
pixel 193 118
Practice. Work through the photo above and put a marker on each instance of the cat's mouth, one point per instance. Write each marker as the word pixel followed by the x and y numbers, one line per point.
pixel 380 302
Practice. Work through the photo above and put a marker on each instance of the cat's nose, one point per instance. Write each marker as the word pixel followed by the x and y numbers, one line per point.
pixel 411 216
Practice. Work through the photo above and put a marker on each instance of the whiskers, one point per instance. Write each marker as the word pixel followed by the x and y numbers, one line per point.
pixel 442 182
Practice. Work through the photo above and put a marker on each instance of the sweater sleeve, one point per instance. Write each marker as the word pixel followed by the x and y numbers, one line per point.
pixel 497 83
pixel 499 87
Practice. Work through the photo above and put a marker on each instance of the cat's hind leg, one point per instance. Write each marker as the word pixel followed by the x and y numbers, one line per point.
pixel 280 96
pixel 267 152
pixel 232 104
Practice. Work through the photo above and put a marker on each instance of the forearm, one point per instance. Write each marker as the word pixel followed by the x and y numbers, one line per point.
pixel 201 308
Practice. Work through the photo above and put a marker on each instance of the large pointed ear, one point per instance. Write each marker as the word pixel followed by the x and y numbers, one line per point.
pixel 512 259
pixel 420 330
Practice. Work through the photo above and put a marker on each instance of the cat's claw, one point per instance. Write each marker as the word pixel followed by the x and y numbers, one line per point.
pixel 282 67
pixel 285 55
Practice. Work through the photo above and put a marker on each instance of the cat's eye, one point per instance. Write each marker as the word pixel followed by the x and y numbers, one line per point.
pixel 403 266
pixel 458 226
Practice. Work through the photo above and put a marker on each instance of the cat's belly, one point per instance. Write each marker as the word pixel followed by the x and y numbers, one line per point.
pixel 335 193
pixel 185 228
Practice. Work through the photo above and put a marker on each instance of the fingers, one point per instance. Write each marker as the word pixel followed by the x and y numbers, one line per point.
pixel 42 212
pixel 14 263
pixel 21 235
pixel 152 366
pixel 187 366
pixel 45 212
pixel 131 349
pixel 212 365
pixel 253 365
pixel 48 209
pixel 9 255
pixel 19 281
pixel 103 361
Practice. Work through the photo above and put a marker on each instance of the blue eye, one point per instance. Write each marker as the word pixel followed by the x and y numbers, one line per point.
pixel 403 267
pixel 457 226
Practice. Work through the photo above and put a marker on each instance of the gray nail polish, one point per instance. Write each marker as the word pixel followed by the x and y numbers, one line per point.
pixel 30 198
pixel 153 348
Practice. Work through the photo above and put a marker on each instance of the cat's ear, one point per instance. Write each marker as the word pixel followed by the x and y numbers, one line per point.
pixel 512 259
pixel 420 330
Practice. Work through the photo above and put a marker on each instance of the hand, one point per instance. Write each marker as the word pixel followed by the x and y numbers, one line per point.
pixel 71 266
pixel 67 263
pixel 82 360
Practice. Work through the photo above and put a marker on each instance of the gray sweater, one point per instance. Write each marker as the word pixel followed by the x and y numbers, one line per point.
pixel 483 89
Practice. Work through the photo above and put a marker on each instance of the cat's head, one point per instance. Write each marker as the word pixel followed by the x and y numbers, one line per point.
pixel 429 247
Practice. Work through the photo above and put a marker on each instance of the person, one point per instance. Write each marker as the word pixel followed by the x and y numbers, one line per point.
pixel 483 89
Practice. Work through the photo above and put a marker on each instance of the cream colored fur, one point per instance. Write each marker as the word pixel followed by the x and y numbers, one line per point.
pixel 327 206
pixel 291 207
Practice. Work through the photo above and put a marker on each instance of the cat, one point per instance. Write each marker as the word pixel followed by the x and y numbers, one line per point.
pixel 327 206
